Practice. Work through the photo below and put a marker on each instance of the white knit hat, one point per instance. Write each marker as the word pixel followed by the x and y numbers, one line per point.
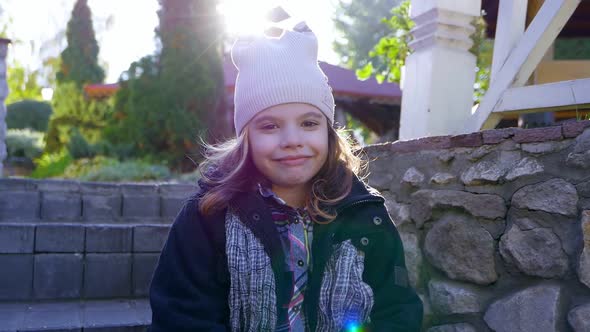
pixel 274 71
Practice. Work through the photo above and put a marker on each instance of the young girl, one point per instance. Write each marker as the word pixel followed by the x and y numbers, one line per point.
pixel 283 236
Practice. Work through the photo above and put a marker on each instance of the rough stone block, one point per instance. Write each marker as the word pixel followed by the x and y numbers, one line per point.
pixel 536 308
pixel 107 275
pixel 101 201
pixel 584 259
pixel 60 200
pixel 574 128
pixel 546 147
pixel 538 135
pixel 413 177
pixel 424 201
pixel 536 252
pixel 16 239
pixel 467 140
pixel 143 269
pixel 579 318
pixel 16 282
pixel 399 212
pixel 446 243
pixel 58 276
pixel 496 136
pixel 553 196
pixel 140 201
pixel 150 238
pixel 413 256
pixel 59 238
pixel 108 238
pixel 448 297
pixel 16 206
pixel 460 327
pixel 583 189
pixel 426 143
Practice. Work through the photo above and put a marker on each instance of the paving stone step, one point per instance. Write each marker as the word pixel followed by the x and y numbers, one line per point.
pixel 76 316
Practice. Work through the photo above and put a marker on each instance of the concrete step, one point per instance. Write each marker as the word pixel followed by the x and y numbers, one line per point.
pixel 133 315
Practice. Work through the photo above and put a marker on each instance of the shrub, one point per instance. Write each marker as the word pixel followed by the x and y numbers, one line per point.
pixel 24 143
pixel 73 111
pixel 28 114
pixel 79 147
pixel 52 164
pixel 111 170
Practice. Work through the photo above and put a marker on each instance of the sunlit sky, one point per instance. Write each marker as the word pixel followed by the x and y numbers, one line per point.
pixel 125 28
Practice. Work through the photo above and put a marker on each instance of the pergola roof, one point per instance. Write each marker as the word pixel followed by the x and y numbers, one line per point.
pixel 577 26
pixel 100 90
pixel 343 82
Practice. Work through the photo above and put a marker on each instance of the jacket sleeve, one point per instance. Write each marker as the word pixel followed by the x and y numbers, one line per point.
pixel 396 307
pixel 186 292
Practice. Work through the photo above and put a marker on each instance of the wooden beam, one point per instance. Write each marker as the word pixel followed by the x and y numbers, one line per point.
pixel 522 60
pixel 545 97
pixel 509 30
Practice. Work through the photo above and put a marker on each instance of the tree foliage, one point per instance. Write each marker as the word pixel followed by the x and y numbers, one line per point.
pixel 22 83
pixel 166 100
pixel 359 24
pixel 74 112
pixel 388 56
pixel 79 61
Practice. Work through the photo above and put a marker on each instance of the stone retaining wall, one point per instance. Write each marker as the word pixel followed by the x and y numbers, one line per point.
pixel 64 240
pixel 496 226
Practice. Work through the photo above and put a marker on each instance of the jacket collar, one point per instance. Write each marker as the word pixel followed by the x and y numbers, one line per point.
pixel 359 193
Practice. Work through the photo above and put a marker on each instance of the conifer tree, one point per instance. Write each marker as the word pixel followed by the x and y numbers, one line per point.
pixel 79 61
pixel 73 111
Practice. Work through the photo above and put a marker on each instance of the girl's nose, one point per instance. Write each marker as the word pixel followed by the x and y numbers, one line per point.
pixel 291 137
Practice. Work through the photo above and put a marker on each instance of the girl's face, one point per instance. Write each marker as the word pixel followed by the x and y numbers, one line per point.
pixel 289 144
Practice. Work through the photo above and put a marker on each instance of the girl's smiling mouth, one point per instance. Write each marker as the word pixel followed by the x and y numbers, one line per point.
pixel 293 160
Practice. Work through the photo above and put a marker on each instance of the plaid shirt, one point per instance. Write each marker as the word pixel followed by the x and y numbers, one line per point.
pixel 296 230
pixel 344 297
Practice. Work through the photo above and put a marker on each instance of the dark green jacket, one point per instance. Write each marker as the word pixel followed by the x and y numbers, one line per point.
pixel 189 290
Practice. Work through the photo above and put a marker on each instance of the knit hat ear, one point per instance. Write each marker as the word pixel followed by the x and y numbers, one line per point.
pixel 274 71
pixel 308 38
pixel 240 46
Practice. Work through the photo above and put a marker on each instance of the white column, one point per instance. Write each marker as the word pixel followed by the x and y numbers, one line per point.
pixel 3 93
pixel 440 73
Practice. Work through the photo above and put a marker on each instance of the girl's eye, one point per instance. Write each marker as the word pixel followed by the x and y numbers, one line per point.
pixel 309 123
pixel 269 126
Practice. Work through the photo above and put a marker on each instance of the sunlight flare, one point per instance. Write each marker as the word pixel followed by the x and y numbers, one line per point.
pixel 246 17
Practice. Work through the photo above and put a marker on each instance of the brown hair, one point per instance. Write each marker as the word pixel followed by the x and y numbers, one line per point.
pixel 228 169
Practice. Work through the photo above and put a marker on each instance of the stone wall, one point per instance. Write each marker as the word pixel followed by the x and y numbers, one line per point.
pixel 496 226
pixel 63 240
